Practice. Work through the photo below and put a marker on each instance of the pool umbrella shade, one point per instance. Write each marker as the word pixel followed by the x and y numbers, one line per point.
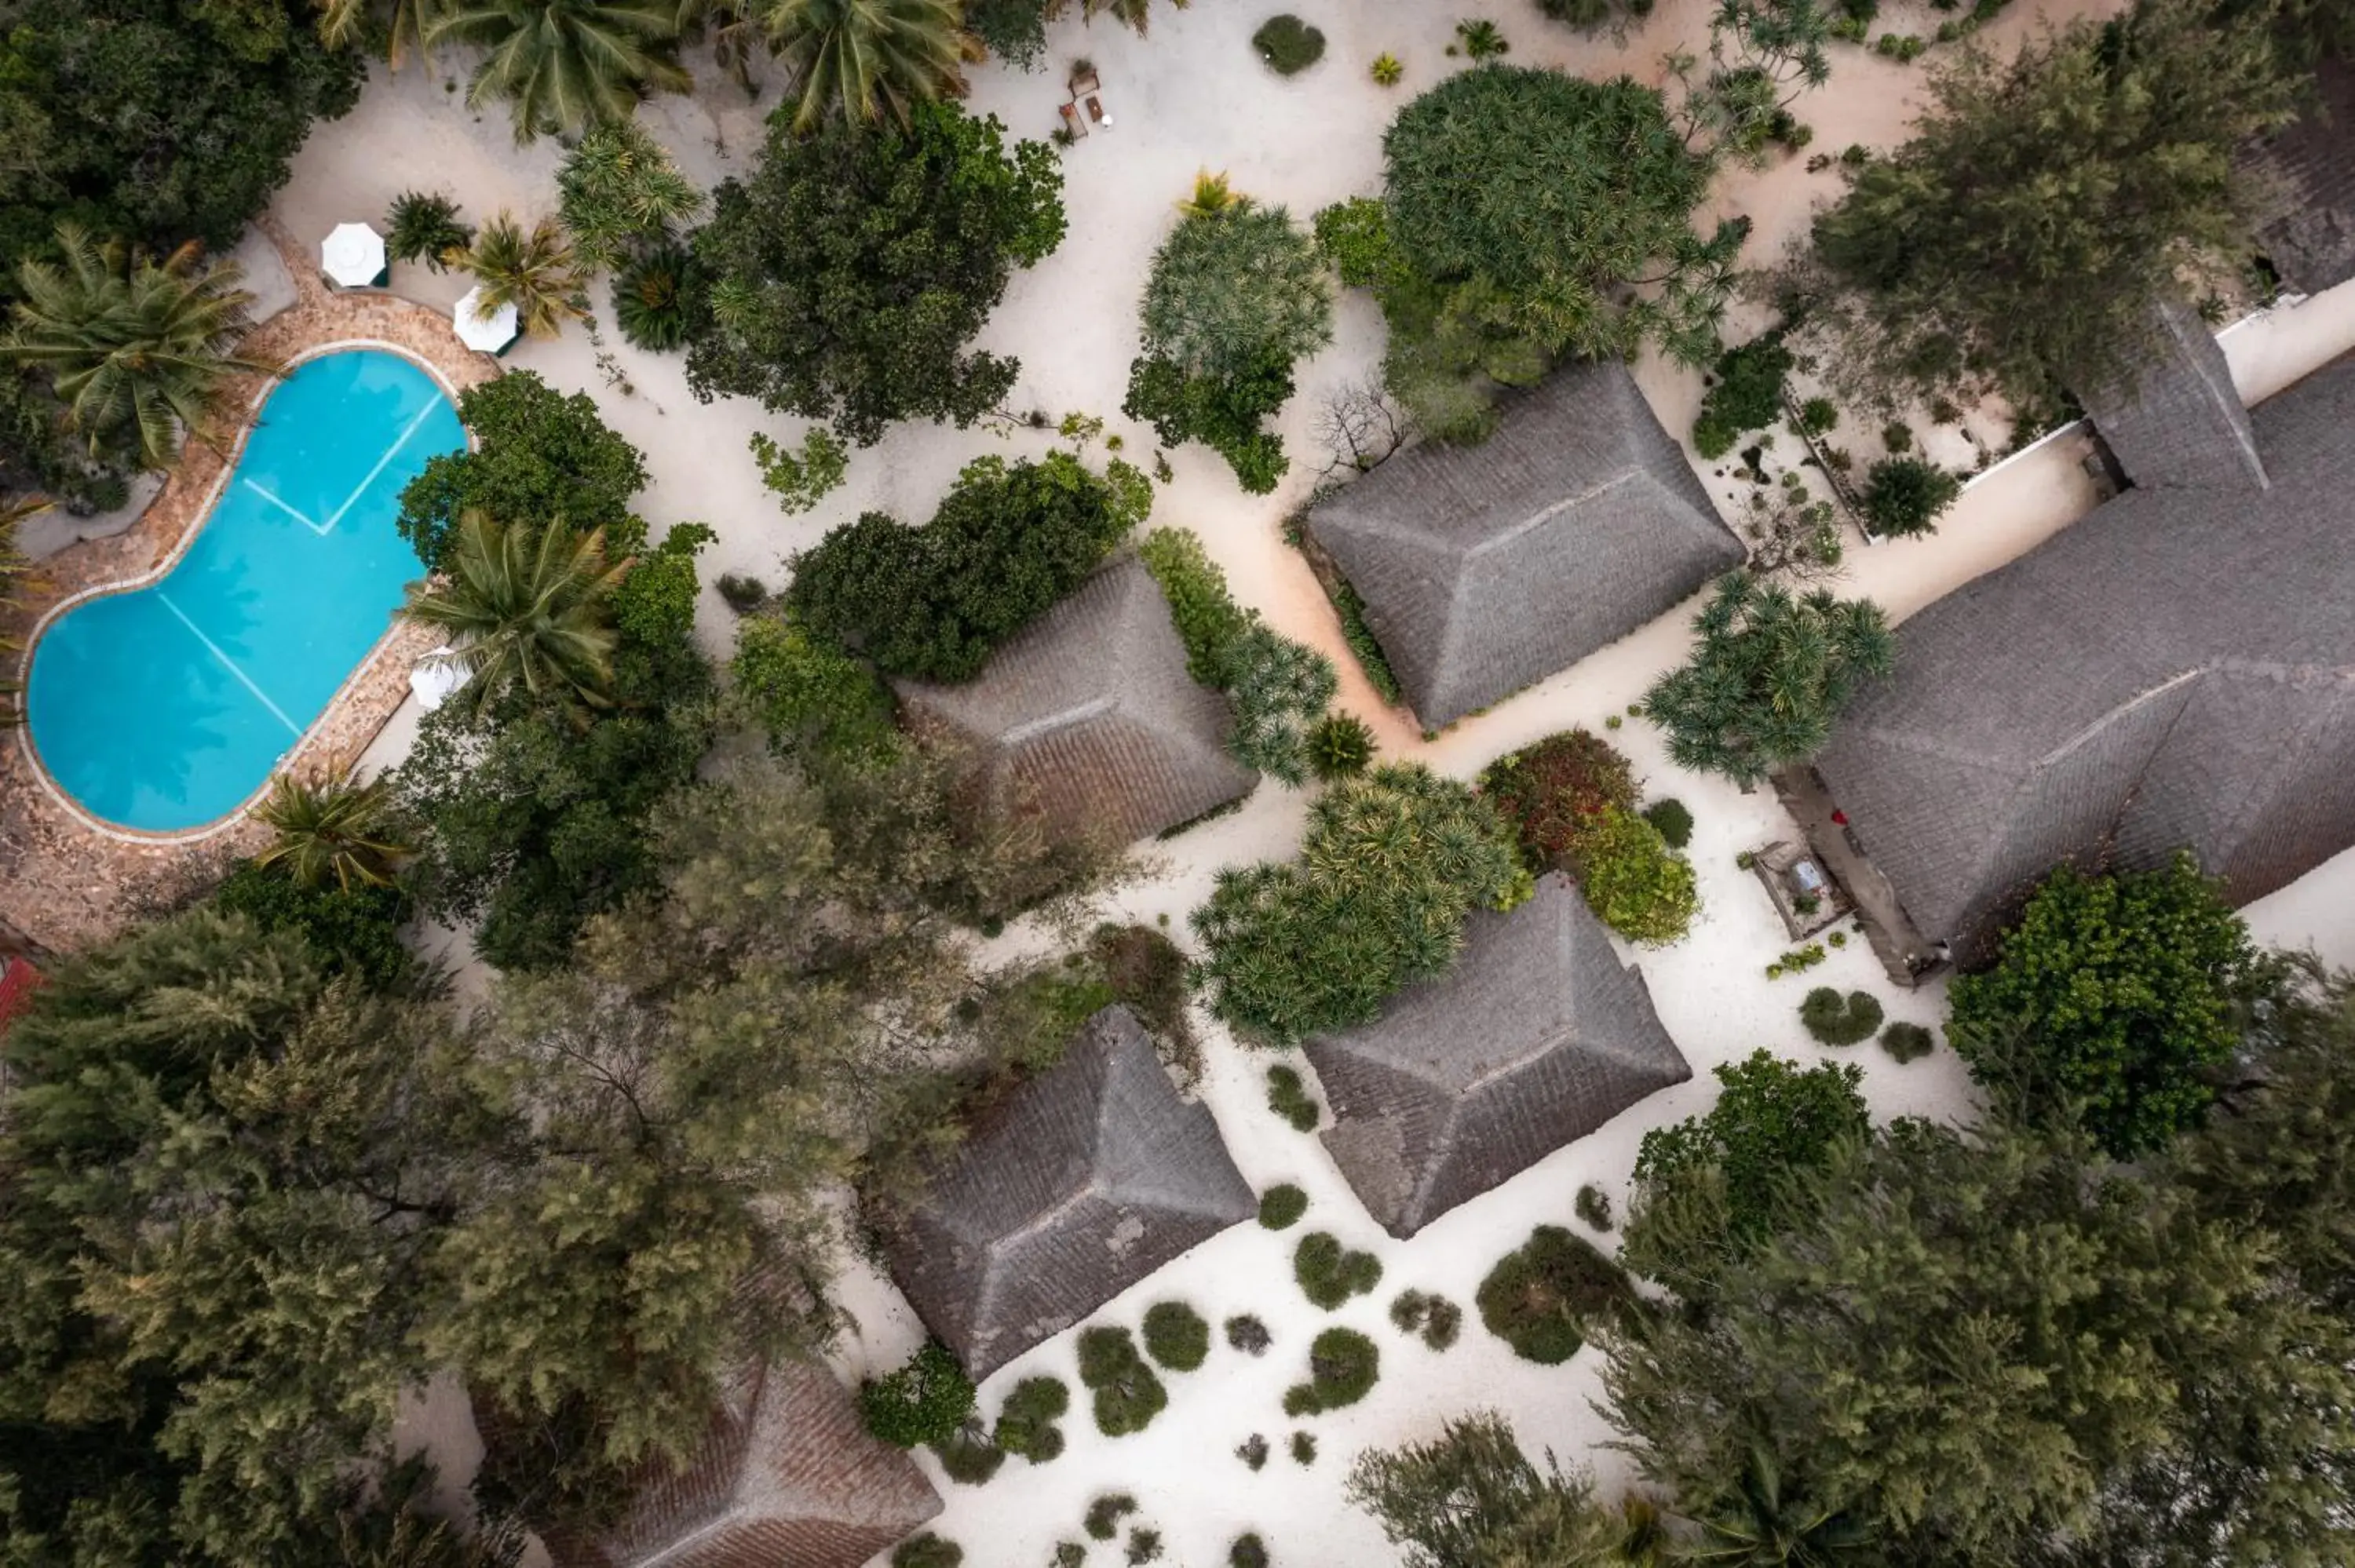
pixel 489 333
pixel 354 255
pixel 437 677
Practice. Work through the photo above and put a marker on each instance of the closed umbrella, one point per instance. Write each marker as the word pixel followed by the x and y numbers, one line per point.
pixel 490 334
pixel 354 255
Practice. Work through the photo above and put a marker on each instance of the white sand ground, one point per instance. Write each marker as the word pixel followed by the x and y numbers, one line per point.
pixel 1192 96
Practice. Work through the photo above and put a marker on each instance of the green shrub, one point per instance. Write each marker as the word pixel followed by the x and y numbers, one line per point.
pixel 969 1456
pixel 1103 1516
pixel 1355 237
pixel 1288 45
pixel 1069 1554
pixel 1342 1367
pixel 1329 1274
pixel 1818 417
pixel 1253 1451
pixel 1774 1121
pixel 1359 635
pixel 1280 1206
pixel 1026 1422
pixel 1127 1393
pixel 357 930
pixel 1554 793
pixel 1247 1551
pixel 1436 1317
pixel 1836 1020
pixel 1340 746
pixel 808 692
pixel 1304 1448
pixel 743 593
pixel 1387 69
pixel 1674 821
pixel 1594 1206
pixel 1908 1042
pixel 655 605
pixel 1544 1296
pixel 1208 621
pixel 650 297
pixel 927 1551
pixel 1144 1546
pixel 925 1401
pixel 1635 883
pixel 1408 1311
pixel 1746 396
pixel 1480 39
pixel 1278 690
pixel 1795 959
pixel 800 480
pixel 1905 496
pixel 1289 1098
pixel 1247 1334
pixel 1176 1335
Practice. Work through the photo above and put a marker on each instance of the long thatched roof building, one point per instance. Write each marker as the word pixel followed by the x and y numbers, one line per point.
pixel 1537 1037
pixel 2176 671
pixel 786 1474
pixel 1074 1187
pixel 1486 569
pixel 1088 718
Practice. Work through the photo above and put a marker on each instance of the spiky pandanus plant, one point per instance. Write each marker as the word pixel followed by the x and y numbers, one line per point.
pixel 131 346
pixel 525 606
pixel 864 58
pixel 331 830
pixel 561 66
pixel 618 191
pixel 530 269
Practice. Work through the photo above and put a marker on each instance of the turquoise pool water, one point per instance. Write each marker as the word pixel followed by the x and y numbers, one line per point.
pixel 166 707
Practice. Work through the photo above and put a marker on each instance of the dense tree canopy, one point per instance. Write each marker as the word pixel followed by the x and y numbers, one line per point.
pixel 1519 206
pixel 539 455
pixel 1469 1499
pixel 1010 541
pixel 851 272
pixel 2112 999
pixel 2047 202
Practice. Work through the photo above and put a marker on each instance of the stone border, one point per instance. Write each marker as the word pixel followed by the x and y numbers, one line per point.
pixel 302 748
pixel 66 879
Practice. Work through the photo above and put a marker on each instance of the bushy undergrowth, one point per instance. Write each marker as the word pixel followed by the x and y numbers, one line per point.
pixel 1747 395
pixel 1176 1335
pixel 1438 1319
pixel 1594 1206
pixel 1330 1274
pixel 1544 1296
pixel 1905 496
pixel 969 1454
pixel 1105 1514
pixel 1247 1334
pixel 1343 1366
pixel 1908 1042
pixel 1280 1206
pixel 1635 883
pixel 1127 1393
pixel 1026 1422
pixel 927 1401
pixel 1288 1097
pixel 1836 1020
pixel 927 1551
pixel 1554 793
pixel 1288 45
pixel 1673 820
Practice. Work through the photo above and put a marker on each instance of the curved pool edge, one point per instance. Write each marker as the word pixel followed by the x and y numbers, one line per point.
pixel 303 745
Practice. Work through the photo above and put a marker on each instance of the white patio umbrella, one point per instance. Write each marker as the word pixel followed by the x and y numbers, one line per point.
pixel 437 677
pixel 353 255
pixel 490 333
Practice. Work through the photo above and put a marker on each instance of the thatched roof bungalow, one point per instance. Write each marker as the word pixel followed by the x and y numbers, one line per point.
pixel 2178 670
pixel 1486 569
pixel 1088 716
pixel 1071 1188
pixel 1537 1037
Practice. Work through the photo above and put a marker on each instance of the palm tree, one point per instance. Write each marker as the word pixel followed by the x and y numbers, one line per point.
pixel 860 58
pixel 131 346
pixel 333 830
pixel 525 606
pixel 1769 1525
pixel 532 272
pixel 405 22
pixel 563 65
pixel 1212 195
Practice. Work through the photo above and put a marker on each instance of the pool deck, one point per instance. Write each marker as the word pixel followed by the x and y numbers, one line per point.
pixel 65 883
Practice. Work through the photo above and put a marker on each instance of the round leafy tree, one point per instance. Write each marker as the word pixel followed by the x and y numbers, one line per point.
pixel 1772 1120
pixel 1235 285
pixel 1544 1296
pixel 2114 996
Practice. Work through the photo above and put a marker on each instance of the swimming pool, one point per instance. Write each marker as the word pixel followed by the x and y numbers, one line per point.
pixel 165 707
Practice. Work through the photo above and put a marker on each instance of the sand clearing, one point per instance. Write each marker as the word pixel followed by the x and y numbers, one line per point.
pixel 1192 97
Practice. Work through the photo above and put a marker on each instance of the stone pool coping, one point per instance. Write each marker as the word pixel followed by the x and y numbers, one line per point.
pixel 68 879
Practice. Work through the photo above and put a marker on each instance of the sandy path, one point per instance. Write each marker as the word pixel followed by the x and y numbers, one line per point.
pixel 1189 99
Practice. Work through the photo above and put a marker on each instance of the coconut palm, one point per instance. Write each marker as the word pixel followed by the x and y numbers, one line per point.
pixel 332 830
pixel 532 272
pixel 133 349
pixel 404 23
pixel 861 57
pixel 1768 1524
pixel 563 65
pixel 525 606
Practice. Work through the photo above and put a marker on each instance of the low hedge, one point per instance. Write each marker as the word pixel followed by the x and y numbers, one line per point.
pixel 1543 1297
pixel 1836 1020
pixel 1177 1336
pixel 1329 1274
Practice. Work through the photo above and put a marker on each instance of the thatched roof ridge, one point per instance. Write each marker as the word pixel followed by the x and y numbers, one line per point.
pixel 1535 1038
pixel 2176 670
pixel 786 1474
pixel 1074 1187
pixel 2182 422
pixel 1088 715
pixel 1486 569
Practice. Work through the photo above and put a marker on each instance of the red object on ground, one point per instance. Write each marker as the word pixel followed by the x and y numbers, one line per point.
pixel 18 978
pixel 1840 817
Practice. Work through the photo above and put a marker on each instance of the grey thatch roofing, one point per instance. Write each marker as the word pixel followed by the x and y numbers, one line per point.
pixel 1077 1185
pixel 2182 423
pixel 2310 240
pixel 1486 569
pixel 1089 717
pixel 1537 1036
pixel 787 1475
pixel 2178 670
